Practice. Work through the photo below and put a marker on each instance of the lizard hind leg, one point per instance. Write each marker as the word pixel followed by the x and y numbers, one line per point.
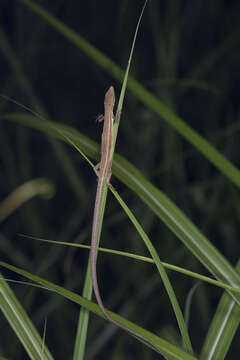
pixel 96 168
pixel 109 177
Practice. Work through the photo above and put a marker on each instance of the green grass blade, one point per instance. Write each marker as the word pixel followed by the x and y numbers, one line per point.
pixel 21 324
pixel 177 310
pixel 223 328
pixel 82 327
pixel 22 194
pixel 178 269
pixel 208 150
pixel 170 351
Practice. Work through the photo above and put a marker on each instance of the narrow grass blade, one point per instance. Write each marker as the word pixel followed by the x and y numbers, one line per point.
pixel 223 328
pixel 82 327
pixel 177 310
pixel 24 193
pixel 178 269
pixel 21 324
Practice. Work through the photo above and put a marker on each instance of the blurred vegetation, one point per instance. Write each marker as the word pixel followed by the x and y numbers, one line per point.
pixel 187 54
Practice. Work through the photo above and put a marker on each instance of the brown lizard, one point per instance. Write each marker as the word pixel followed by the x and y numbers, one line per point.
pixel 103 171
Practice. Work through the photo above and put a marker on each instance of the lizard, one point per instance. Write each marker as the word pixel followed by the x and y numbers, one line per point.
pixel 103 172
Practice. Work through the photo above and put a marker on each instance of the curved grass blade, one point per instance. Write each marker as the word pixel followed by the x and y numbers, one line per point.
pixel 23 193
pixel 21 324
pixel 178 269
pixel 176 307
pixel 222 329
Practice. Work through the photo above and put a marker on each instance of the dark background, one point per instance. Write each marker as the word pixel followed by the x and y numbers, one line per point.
pixel 187 54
